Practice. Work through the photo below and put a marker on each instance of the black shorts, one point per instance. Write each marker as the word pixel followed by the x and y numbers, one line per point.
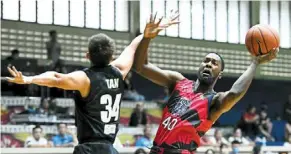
pixel 95 148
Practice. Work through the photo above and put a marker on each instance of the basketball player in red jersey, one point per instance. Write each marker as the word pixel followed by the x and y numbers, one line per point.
pixel 193 105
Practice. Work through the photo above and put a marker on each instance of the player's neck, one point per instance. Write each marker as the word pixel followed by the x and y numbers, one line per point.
pixel 202 87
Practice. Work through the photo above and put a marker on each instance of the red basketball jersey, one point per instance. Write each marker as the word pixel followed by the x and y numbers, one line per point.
pixel 185 118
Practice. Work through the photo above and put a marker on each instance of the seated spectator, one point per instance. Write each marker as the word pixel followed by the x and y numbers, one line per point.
pixel 14 55
pixel 145 140
pixel 218 139
pixel 237 136
pixel 129 91
pixel 36 140
pixel 64 138
pixel 164 98
pixel 249 122
pixel 138 116
pixel 44 107
pixel 209 151
pixel 235 147
pixel 140 151
pixel 265 126
pixel 205 141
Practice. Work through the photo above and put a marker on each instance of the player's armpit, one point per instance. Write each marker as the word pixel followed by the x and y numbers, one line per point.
pixel 222 102
pixel 161 77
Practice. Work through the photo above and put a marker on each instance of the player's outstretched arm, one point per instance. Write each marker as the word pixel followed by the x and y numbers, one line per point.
pixel 72 81
pixel 125 60
pixel 161 77
pixel 224 101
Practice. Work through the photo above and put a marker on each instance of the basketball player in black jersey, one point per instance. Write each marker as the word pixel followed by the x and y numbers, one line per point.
pixel 98 89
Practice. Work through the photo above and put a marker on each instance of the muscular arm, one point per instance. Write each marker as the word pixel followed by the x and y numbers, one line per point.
pixel 125 60
pixel 73 81
pixel 161 77
pixel 224 101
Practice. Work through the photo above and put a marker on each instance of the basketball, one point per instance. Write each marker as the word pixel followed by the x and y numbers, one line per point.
pixel 261 39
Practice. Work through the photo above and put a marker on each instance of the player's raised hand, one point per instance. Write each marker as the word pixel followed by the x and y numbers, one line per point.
pixel 17 76
pixel 153 27
pixel 267 57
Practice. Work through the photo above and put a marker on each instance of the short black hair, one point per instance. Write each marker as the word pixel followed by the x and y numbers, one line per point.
pixel 36 127
pixel 235 142
pixel 14 51
pixel 61 124
pixel 222 61
pixel 51 32
pixel 101 48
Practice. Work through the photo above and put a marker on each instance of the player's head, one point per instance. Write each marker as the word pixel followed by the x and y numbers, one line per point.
pixel 36 132
pixel 211 68
pixel 62 128
pixel 101 48
pixel 53 35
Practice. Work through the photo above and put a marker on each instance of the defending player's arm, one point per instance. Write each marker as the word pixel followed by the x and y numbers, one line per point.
pixel 224 101
pixel 125 60
pixel 161 77
pixel 72 81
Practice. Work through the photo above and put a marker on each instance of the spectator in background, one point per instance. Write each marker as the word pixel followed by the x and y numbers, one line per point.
pixel 64 138
pixel 145 140
pixel 44 106
pixel 218 138
pixel 140 151
pixel 53 49
pixel 205 141
pixel 163 99
pixel 129 91
pixel 265 126
pixel 36 140
pixel 249 123
pixel 14 55
pixel 237 136
pixel 138 116
pixel 235 147
pixel 209 151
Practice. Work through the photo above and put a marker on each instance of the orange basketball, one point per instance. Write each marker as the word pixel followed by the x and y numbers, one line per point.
pixel 261 39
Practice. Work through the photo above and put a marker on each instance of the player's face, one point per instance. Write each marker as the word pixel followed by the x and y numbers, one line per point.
pixel 210 69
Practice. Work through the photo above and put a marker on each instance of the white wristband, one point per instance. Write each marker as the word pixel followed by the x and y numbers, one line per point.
pixel 28 80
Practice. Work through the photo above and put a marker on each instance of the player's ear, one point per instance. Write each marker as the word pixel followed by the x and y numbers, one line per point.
pixel 220 75
pixel 87 55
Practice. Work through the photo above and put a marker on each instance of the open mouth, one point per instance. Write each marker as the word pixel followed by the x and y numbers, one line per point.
pixel 206 73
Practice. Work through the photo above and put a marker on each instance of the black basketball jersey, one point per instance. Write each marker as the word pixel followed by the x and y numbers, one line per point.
pixel 97 115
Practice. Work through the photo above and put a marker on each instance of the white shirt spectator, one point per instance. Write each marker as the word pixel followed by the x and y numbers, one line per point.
pixel 222 141
pixel 31 141
pixel 242 140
